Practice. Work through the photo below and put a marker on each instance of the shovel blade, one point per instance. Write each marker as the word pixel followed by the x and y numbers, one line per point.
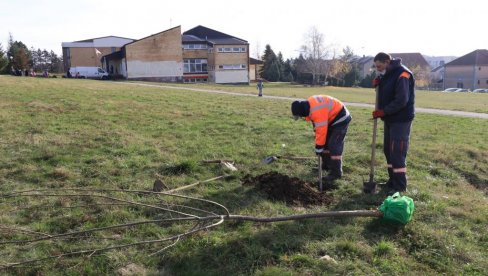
pixel 369 187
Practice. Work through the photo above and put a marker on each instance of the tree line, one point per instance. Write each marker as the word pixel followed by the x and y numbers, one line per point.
pixel 317 64
pixel 18 57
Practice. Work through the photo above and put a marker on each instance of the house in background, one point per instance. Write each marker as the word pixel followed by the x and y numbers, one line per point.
pixel 469 71
pixel 255 65
pixel 437 77
pixel 436 61
pixel 88 52
pixel 200 54
pixel 365 66
pixel 418 65
pixel 412 60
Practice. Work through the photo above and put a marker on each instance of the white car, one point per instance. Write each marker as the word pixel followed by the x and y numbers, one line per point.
pixel 450 90
pixel 480 90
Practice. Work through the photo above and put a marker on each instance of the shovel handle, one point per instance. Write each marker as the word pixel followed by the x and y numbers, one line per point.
pixel 373 143
pixel 320 173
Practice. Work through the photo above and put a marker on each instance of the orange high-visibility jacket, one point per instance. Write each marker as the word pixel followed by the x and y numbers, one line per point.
pixel 323 110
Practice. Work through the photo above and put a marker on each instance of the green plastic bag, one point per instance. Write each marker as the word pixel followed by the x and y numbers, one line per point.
pixel 398 209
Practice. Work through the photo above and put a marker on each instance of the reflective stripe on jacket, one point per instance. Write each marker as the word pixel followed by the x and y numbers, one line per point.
pixel 323 110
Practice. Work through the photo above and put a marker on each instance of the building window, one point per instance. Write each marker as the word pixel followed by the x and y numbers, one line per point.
pixel 194 66
pixel 231 50
pixel 194 46
pixel 460 85
pixel 233 66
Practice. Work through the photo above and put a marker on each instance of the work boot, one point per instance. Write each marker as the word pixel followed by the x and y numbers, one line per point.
pixel 335 170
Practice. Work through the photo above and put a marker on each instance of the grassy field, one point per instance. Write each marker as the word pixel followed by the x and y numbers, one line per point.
pixel 473 102
pixel 60 134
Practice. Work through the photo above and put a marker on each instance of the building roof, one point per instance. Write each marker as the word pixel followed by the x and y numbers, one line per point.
pixel 106 41
pixel 214 36
pixel 255 61
pixel 438 68
pixel 362 60
pixel 477 57
pixel 411 60
pixel 227 41
pixel 191 38
pixel 110 36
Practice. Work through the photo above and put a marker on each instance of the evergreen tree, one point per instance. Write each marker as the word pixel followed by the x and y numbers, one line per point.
pixel 269 58
pixel 18 54
pixel 281 65
pixel 351 78
pixel 289 71
pixel 56 63
pixel 273 73
pixel 367 82
pixel 3 60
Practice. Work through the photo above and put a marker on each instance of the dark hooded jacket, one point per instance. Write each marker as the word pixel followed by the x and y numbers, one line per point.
pixel 396 93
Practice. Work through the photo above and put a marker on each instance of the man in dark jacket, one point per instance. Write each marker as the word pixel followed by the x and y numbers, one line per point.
pixel 396 98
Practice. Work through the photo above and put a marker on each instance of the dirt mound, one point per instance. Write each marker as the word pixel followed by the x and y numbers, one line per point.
pixel 289 189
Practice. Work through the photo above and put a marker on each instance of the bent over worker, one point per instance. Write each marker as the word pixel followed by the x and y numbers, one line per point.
pixel 396 98
pixel 330 119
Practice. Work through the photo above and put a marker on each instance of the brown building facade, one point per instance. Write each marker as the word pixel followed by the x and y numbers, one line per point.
pixel 88 52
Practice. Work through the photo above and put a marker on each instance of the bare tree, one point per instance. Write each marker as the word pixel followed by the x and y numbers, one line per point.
pixel 422 76
pixel 257 50
pixel 315 53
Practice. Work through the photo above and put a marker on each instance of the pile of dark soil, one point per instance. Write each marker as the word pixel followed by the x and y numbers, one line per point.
pixel 289 189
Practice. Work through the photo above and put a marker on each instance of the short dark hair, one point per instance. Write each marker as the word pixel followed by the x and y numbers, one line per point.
pixel 382 57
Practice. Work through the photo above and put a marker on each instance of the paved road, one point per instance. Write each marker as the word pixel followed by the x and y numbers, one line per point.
pixel 417 109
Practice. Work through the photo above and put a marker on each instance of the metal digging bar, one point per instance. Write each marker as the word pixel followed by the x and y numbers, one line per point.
pixel 370 186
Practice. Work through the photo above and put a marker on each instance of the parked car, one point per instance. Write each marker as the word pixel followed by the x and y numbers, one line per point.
pixel 463 90
pixel 480 90
pixel 450 90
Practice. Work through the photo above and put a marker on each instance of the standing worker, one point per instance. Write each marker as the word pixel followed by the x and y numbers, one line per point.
pixel 396 98
pixel 330 119
pixel 260 87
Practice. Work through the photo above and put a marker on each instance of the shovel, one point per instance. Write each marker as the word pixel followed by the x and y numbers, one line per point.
pixel 271 159
pixel 370 186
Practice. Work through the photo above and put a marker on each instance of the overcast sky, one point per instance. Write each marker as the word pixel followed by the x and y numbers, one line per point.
pixel 436 28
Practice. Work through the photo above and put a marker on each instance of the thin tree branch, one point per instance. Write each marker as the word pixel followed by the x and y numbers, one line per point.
pixel 99 250
pixel 131 224
pixel 25 231
pixel 106 197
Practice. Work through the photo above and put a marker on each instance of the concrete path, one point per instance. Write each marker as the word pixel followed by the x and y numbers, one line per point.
pixel 417 109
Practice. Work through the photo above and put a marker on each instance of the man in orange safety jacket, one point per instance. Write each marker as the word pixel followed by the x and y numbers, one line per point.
pixel 330 119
